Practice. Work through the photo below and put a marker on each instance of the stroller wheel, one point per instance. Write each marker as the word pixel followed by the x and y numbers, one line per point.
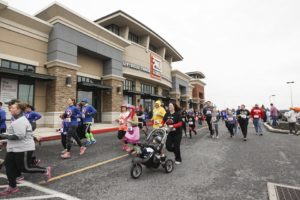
pixel 136 171
pixel 169 166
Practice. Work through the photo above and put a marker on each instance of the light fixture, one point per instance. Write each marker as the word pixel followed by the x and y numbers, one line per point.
pixel 69 80
pixel 119 89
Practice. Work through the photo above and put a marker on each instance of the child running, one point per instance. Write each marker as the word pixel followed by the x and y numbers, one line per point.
pixel 192 123
pixel 132 135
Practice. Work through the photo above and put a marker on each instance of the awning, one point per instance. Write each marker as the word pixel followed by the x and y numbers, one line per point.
pixel 27 74
pixel 153 96
pixel 131 92
pixel 94 86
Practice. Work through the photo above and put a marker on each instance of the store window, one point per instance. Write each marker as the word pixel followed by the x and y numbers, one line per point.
pixel 128 85
pixel 17 66
pixel 148 89
pixel 88 80
pixel 153 48
pixel 26 93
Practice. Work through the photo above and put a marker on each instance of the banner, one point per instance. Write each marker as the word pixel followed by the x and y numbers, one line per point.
pixel 155 67
pixel 8 91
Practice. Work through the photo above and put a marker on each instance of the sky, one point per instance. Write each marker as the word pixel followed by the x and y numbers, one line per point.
pixel 247 49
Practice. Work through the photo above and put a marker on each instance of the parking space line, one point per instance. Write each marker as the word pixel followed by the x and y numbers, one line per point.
pixel 85 168
pixel 35 197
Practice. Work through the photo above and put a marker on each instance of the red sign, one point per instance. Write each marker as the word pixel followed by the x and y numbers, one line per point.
pixel 155 67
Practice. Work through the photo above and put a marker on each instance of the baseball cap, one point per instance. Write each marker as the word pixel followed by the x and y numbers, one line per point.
pixel 12 101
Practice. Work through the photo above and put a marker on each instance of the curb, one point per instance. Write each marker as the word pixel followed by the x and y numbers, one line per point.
pixel 274 130
pixel 96 132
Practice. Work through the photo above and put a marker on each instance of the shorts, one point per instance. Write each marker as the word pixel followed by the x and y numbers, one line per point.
pixel 121 134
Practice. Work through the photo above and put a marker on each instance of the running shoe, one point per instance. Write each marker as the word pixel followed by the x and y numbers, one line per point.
pixel 177 162
pixel 245 139
pixel 36 162
pixel 217 137
pixel 64 151
pixel 82 150
pixel 66 155
pixel 88 143
pixel 9 190
pixel 93 142
pixel 261 134
pixel 20 179
pixel 48 173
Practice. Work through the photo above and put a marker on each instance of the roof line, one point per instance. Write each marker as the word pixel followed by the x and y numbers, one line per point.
pixel 124 13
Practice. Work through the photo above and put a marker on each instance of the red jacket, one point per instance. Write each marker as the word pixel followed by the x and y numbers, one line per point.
pixel 257 113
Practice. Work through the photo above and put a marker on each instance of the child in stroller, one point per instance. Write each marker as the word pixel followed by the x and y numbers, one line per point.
pixel 150 154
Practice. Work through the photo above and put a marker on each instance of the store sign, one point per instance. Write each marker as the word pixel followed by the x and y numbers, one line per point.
pixel 155 67
pixel 8 91
pixel 136 67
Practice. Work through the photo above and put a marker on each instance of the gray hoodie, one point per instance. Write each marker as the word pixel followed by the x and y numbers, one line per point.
pixel 21 132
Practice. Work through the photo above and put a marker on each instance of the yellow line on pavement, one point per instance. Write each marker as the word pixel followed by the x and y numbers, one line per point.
pixel 84 169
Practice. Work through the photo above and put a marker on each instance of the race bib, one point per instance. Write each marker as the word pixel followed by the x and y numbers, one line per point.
pixel 230 119
pixel 214 119
pixel 68 119
pixel 208 112
pixel 243 116
pixel 191 123
pixel 256 116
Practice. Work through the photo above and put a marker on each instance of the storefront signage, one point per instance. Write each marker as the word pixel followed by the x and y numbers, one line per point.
pixel 155 67
pixel 136 67
pixel 8 91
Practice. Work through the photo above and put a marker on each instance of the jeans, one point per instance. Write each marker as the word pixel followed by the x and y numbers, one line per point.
pixel 257 125
pixel 274 121
pixel 292 127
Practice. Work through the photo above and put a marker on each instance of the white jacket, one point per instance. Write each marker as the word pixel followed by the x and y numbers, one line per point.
pixel 291 116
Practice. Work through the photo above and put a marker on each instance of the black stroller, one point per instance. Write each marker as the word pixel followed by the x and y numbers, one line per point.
pixel 149 154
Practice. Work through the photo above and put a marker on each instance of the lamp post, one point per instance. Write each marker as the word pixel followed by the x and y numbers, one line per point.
pixel 291 90
pixel 270 98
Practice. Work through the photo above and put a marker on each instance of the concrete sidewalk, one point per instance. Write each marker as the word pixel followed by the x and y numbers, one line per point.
pixel 48 134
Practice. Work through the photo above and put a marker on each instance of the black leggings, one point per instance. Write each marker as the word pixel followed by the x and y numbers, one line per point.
pixel 173 144
pixel 64 140
pixel 208 120
pixel 230 128
pixel 72 132
pixel 16 163
pixel 184 127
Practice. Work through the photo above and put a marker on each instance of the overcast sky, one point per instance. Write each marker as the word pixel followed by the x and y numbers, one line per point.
pixel 248 49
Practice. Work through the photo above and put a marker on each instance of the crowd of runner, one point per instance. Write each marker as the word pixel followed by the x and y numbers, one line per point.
pixel 77 120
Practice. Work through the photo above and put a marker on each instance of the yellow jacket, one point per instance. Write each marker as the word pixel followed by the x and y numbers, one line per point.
pixel 158 115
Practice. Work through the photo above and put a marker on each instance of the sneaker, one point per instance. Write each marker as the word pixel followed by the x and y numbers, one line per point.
pixel 93 142
pixel 82 150
pixel 64 151
pixel 48 173
pixel 88 143
pixel 177 162
pixel 261 134
pixel 217 137
pixel 8 191
pixel 66 155
pixel 20 179
pixel 245 139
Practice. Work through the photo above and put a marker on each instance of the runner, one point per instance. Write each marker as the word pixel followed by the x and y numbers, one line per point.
pixel 274 115
pixel 32 116
pixel 88 111
pixel 184 120
pixel 243 118
pixel 158 114
pixel 20 145
pixel 231 121
pixel 192 123
pixel 292 119
pixel 71 115
pixel 173 119
pixel 124 115
pixel 257 116
pixel 207 111
pixel 215 121
pixel 132 135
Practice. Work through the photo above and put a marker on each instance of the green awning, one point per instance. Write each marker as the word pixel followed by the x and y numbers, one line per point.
pixel 27 74
pixel 94 85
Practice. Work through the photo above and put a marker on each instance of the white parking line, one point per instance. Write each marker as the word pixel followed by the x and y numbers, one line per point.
pixel 48 192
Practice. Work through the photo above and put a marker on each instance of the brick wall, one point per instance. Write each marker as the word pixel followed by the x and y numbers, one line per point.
pixel 112 100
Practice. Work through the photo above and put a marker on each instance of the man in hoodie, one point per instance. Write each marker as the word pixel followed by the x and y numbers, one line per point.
pixel 158 114
pixel 243 116
pixel 257 116
pixel 292 119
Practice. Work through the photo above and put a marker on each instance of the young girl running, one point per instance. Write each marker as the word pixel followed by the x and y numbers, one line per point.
pixel 192 123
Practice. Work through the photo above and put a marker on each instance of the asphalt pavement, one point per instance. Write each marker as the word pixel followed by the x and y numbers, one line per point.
pixel 227 168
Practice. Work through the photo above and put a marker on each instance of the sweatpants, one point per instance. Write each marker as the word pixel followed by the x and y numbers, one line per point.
pixel 173 145
pixel 192 128
pixel 184 127
pixel 244 127
pixel 72 132
pixel 18 162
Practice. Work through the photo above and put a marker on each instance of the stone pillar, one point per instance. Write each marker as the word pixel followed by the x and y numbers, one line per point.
pixel 112 99
pixel 58 92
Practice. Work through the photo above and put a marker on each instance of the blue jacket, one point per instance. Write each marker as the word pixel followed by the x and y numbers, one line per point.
pixel 64 128
pixel 32 116
pixel 87 113
pixel 2 118
pixel 72 113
